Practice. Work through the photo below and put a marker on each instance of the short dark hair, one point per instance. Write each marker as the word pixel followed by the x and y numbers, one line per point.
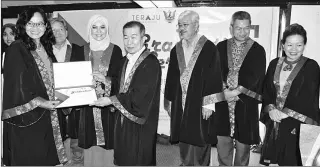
pixel 131 24
pixel 294 29
pixel 47 39
pixel 240 15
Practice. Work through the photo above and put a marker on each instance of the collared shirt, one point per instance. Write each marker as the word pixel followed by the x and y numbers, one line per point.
pixel 132 60
pixel 60 54
pixel 188 49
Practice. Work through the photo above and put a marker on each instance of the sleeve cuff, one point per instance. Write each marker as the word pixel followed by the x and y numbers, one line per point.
pixel 298 116
pixel 249 93
pixel 118 105
pixel 213 98
pixel 12 112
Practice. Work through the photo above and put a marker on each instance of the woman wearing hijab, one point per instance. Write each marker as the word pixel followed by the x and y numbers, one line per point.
pixel 97 123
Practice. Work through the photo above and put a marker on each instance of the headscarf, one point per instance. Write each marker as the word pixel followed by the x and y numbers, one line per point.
pixel 94 44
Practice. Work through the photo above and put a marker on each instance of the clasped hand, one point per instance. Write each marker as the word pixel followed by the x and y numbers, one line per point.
pixel 231 95
pixel 277 115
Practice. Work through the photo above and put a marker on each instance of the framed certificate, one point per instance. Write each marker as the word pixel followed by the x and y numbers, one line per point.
pixel 73 83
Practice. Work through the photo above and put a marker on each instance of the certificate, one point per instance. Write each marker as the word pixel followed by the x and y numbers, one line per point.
pixel 73 83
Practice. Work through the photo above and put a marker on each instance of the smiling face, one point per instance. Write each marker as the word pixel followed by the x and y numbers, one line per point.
pixel 99 30
pixel 35 28
pixel 186 28
pixel 240 30
pixel 8 36
pixel 59 31
pixel 133 39
pixel 294 47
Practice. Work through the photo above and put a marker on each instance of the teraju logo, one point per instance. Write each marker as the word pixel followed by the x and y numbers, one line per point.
pixel 169 15
pixel 146 17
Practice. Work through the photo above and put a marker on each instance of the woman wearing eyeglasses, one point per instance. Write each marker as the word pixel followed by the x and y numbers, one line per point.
pixel 28 96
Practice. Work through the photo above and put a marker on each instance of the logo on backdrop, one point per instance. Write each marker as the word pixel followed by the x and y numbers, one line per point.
pixel 169 15
pixel 146 18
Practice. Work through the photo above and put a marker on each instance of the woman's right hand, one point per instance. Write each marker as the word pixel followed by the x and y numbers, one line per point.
pixel 275 115
pixel 49 104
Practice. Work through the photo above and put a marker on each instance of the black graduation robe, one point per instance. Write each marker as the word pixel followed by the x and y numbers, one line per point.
pixel 250 81
pixel 137 112
pixel 33 133
pixel 70 129
pixel 299 100
pixel 87 127
pixel 201 83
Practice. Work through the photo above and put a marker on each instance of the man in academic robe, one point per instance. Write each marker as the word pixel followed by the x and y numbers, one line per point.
pixel 193 81
pixel 243 63
pixel 64 51
pixel 137 102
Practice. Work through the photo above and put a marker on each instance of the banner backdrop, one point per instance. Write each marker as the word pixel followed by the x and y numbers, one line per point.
pixel 311 25
pixel 161 28
pixel 309 136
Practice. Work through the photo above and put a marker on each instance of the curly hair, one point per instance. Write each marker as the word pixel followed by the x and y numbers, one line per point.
pixel 47 39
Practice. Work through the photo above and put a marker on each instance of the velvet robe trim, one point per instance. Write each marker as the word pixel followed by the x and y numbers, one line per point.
pixel 282 96
pixel 105 59
pixel 124 86
pixel 186 74
pixel 248 46
pixel 205 81
pixel 27 79
pixel 12 112
pixel 251 76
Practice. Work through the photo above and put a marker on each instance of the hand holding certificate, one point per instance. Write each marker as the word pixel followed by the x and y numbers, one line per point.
pixel 73 83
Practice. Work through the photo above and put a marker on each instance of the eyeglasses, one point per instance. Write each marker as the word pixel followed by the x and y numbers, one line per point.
pixel 185 25
pixel 38 25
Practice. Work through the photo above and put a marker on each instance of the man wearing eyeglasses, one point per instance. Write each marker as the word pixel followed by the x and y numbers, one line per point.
pixel 64 51
pixel 193 80
pixel 243 63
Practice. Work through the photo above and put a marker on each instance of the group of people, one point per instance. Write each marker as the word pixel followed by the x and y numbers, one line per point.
pixel 120 128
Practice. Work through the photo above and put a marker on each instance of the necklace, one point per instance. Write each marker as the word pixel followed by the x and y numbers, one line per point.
pixel 290 64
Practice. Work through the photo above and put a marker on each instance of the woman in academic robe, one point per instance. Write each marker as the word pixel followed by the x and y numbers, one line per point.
pixel 9 33
pixel 28 96
pixel 290 98
pixel 96 129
